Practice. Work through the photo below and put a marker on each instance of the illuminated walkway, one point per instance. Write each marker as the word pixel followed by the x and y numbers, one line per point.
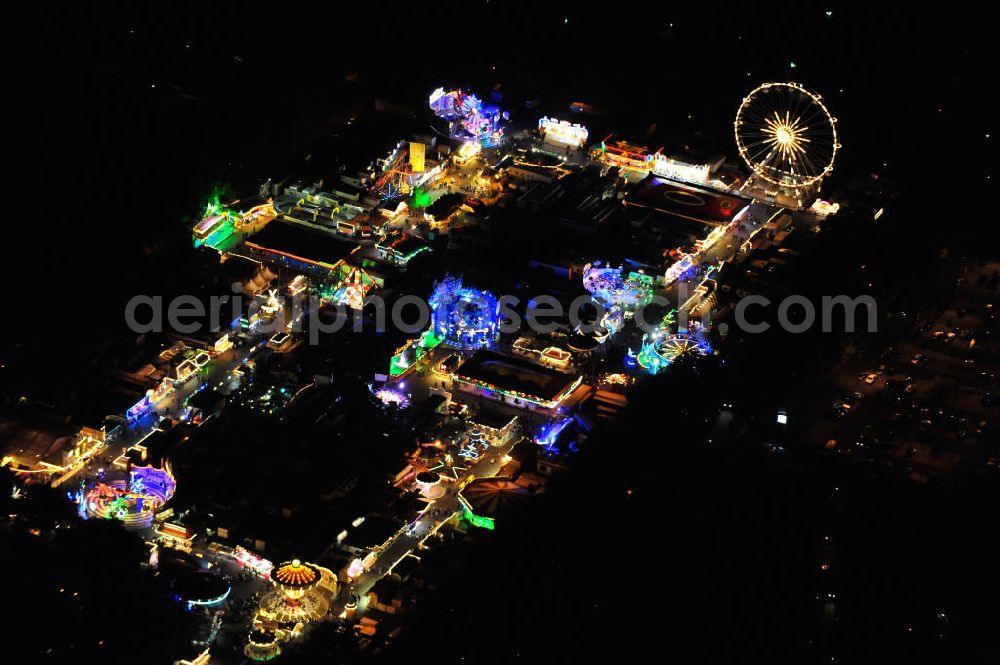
pixel 425 525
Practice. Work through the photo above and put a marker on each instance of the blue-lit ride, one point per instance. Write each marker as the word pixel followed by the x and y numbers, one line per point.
pixel 549 432
pixel 661 348
pixel 464 317
pixel 610 286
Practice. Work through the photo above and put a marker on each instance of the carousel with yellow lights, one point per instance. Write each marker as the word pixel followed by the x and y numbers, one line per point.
pixel 302 593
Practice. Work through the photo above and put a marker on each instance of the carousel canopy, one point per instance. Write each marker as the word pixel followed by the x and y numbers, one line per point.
pixel 296 574
pixel 489 496
pixel 428 477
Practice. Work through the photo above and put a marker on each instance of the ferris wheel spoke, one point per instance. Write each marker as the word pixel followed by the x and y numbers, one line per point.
pixel 758 146
pixel 802 105
pixel 761 148
pixel 807 166
pixel 815 114
pixel 772 155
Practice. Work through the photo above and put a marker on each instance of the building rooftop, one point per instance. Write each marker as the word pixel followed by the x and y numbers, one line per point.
pixel 685 201
pixel 35 440
pixel 402 243
pixel 495 421
pixel 299 243
pixel 373 532
pixel 514 375
pixel 207 400
pixel 446 206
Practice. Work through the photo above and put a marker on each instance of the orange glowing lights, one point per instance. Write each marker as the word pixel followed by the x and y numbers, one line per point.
pixel 296 574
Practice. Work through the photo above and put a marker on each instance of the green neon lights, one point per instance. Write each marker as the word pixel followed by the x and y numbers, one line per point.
pixel 421 199
pixel 415 252
pixel 478 520
pixel 408 356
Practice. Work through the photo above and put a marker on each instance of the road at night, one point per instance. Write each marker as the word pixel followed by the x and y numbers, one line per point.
pixel 430 520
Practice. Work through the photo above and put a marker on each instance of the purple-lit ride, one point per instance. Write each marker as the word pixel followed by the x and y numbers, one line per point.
pixel 467 117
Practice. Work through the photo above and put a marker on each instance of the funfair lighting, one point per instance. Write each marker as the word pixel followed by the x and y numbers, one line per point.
pixel 464 317
pixel 563 132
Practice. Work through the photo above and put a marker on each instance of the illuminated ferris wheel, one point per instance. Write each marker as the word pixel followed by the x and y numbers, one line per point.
pixel 676 346
pixel 660 350
pixel 786 135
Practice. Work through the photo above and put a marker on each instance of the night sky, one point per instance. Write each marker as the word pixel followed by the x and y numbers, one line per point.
pixel 122 121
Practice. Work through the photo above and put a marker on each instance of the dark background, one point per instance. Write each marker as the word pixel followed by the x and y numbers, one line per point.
pixel 121 122
pixel 102 164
